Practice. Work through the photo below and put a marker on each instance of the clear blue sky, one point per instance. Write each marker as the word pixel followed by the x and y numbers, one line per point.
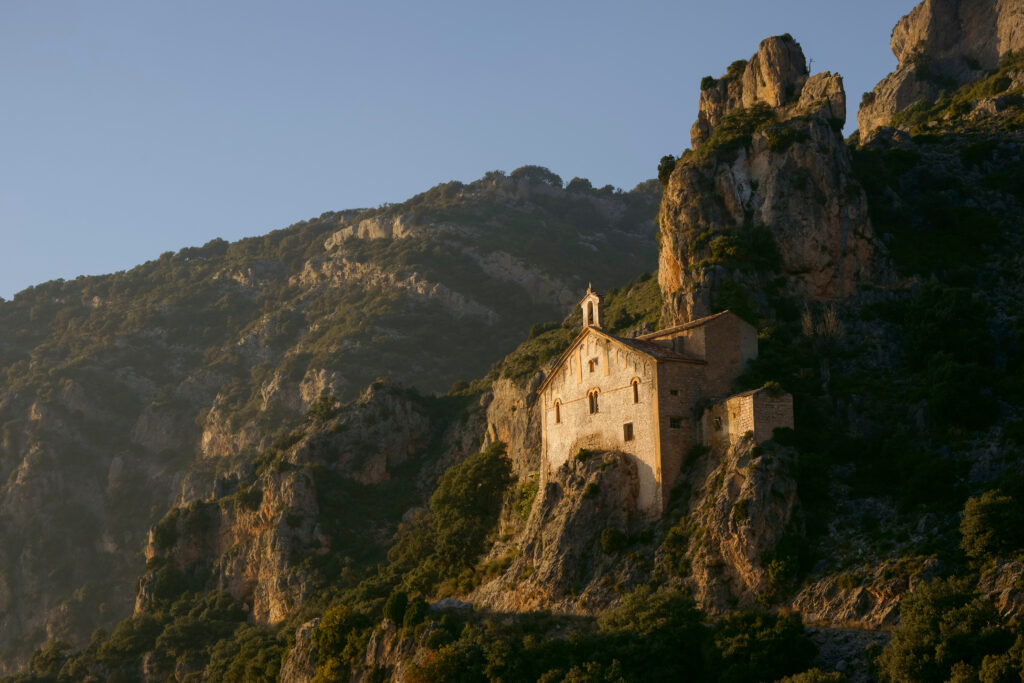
pixel 136 127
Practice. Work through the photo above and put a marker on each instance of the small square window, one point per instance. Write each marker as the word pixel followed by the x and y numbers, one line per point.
pixel 673 392
pixel 675 423
pixel 627 431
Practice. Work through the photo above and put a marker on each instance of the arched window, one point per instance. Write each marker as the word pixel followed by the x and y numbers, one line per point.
pixel 591 364
pixel 636 391
pixel 593 400
pixel 558 412
pixel 590 313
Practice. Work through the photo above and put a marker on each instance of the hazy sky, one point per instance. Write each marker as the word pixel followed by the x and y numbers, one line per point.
pixel 137 127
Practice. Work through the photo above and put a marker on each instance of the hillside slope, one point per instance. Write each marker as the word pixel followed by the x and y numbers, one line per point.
pixel 408 537
pixel 123 394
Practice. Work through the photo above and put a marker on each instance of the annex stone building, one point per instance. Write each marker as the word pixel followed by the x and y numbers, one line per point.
pixel 655 397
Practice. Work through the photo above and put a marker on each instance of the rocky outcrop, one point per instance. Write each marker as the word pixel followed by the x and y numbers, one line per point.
pixel 1001 583
pixel 248 541
pixel 747 501
pixel 376 227
pixel 866 598
pixel 370 438
pixel 340 271
pixel 769 172
pixel 250 538
pixel 566 557
pixel 513 417
pixel 299 665
pixel 942 44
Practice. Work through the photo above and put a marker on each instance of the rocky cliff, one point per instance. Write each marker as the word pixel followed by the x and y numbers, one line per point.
pixel 767 190
pixel 941 45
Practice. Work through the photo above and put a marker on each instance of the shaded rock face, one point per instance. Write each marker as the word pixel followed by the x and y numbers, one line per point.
pixel 791 176
pixel 556 561
pixel 942 44
pixel 871 601
pixel 513 417
pixel 745 504
pixel 1001 584
pixel 299 665
pixel 250 540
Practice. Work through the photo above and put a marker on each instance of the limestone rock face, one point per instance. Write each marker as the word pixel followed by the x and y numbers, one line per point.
pixel 1001 584
pixel 300 664
pixel 746 502
pixel 249 538
pixel 773 76
pixel 791 176
pixel 873 601
pixel 513 417
pixel 942 44
pixel 556 560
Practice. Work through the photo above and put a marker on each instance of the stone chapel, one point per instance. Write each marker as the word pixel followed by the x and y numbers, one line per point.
pixel 655 397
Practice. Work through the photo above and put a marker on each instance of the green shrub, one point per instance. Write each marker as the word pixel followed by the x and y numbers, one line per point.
pixel 165 533
pixel 943 623
pixel 992 525
pixel 665 168
pixel 466 504
pixel 394 608
pixel 524 498
pixel 249 498
pixel 779 138
pixel 707 83
pixel 815 676
pixel 541 328
pixel 735 130
pixel 760 646
pixel 613 541
pixel 416 613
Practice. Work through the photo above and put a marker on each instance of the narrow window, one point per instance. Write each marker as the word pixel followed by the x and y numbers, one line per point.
pixel 675 423
pixel 673 392
pixel 627 431
pixel 593 402
pixel 591 365
pixel 636 391
pixel 590 313
pixel 558 412
pixel 718 424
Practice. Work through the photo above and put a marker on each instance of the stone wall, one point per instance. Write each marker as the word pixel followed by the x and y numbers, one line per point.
pixel 685 380
pixel 615 368
pixel 758 412
pixel 730 342
pixel 725 341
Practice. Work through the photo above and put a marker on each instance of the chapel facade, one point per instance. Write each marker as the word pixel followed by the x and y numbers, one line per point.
pixel 655 396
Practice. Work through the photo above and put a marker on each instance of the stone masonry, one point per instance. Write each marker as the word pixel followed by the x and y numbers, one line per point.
pixel 646 397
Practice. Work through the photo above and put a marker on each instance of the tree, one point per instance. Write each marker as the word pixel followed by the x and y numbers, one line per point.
pixel 466 505
pixel 665 168
pixel 944 625
pixel 993 524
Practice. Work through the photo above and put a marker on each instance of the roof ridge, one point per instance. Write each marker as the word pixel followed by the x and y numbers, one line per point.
pixel 685 326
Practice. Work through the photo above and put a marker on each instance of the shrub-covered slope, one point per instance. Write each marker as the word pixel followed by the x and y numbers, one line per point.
pixel 122 394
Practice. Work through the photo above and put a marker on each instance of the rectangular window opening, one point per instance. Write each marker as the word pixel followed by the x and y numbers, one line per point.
pixel 627 431
pixel 675 423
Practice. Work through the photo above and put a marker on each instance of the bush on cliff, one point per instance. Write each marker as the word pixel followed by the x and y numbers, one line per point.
pixel 945 629
pixel 992 525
